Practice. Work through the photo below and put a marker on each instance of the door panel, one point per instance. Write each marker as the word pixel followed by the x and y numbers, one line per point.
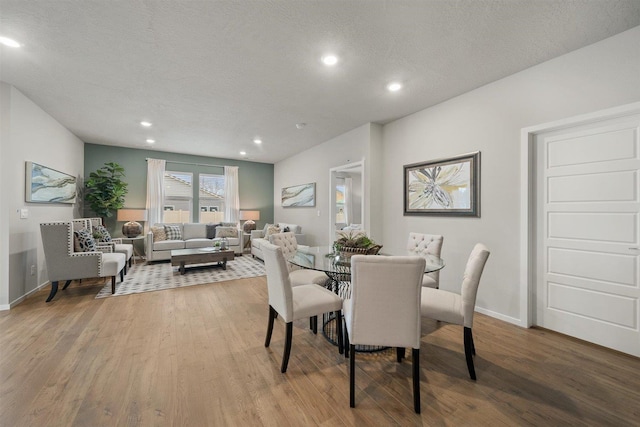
pixel 587 252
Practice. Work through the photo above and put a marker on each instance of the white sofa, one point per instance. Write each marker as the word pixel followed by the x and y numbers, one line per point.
pixel 194 235
pixel 258 237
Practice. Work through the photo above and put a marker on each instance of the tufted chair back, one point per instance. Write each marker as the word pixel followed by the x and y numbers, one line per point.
pixel 421 244
pixel 287 242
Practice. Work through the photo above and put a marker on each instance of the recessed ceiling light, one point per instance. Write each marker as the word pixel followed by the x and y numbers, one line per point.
pixel 145 124
pixel 329 60
pixel 243 153
pixel 257 141
pixel 394 87
pixel 300 125
pixel 9 42
pixel 151 141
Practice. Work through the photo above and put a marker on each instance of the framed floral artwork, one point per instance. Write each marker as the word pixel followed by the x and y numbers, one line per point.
pixel 446 187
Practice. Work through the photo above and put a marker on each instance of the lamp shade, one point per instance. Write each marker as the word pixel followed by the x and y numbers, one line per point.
pixel 249 215
pixel 250 218
pixel 132 214
pixel 132 228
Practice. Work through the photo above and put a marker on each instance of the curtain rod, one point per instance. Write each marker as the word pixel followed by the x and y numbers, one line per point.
pixel 188 163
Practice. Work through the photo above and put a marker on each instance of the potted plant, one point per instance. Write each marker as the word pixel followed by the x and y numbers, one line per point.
pixel 105 189
pixel 355 242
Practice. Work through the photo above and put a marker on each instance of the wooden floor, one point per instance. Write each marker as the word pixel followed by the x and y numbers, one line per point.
pixel 195 357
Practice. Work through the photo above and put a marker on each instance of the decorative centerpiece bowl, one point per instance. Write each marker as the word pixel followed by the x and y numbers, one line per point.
pixel 354 242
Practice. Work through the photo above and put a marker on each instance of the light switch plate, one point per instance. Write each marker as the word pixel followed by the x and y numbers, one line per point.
pixel 24 213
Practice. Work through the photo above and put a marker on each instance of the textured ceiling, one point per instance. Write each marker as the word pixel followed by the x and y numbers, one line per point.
pixel 212 75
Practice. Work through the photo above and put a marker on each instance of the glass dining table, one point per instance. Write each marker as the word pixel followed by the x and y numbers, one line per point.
pixel 337 267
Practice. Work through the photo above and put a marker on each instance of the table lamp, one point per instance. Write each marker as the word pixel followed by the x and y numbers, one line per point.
pixel 249 217
pixel 132 228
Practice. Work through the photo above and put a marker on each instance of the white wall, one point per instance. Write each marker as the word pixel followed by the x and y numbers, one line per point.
pixel 489 119
pixel 313 166
pixel 29 133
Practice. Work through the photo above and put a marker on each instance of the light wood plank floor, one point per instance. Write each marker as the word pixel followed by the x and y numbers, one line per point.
pixel 195 357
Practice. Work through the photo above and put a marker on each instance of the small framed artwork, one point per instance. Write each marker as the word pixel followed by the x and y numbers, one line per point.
pixel 445 187
pixel 299 195
pixel 46 185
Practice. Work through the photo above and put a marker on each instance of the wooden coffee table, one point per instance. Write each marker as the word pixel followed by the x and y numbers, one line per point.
pixel 183 257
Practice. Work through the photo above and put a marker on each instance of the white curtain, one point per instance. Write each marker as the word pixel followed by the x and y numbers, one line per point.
pixel 348 200
pixel 155 190
pixel 231 196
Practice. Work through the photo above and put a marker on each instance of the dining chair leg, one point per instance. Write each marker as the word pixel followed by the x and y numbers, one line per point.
pixel 339 331
pixel 314 324
pixel 400 354
pixel 473 346
pixel 272 316
pixel 287 347
pixel 352 377
pixel 415 355
pixel 468 352
pixel 346 342
pixel 66 285
pixel 54 290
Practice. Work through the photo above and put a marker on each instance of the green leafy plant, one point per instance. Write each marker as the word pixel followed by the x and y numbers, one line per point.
pixel 106 189
pixel 353 239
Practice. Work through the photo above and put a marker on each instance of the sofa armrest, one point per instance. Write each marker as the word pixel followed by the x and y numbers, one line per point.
pixel 257 234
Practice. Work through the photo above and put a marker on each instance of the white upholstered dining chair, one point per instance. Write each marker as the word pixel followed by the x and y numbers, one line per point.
pixel 426 244
pixel 295 302
pixel 384 310
pixel 459 308
pixel 298 276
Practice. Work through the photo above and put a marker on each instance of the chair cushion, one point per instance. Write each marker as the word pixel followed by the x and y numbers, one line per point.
pixel 441 305
pixel 173 232
pixel 158 233
pixel 309 300
pixel 124 248
pixel 83 241
pixel 306 276
pixel 112 264
pixel 101 233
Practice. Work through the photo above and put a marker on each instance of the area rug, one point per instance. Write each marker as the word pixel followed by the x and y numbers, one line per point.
pixel 161 275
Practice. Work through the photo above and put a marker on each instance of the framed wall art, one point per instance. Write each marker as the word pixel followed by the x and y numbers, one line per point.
pixel 445 187
pixel 299 195
pixel 46 185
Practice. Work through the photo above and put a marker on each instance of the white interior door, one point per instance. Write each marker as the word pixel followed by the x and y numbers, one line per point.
pixel 588 232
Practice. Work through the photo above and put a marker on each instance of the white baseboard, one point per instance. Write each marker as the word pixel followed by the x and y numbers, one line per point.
pixel 501 316
pixel 23 297
pixel 4 307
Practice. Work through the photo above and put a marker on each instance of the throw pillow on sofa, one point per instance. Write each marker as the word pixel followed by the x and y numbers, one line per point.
pixel 226 232
pixel 273 229
pixel 158 233
pixel 211 230
pixel 83 241
pixel 173 232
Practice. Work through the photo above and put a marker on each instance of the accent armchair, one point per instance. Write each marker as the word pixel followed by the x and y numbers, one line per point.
pixel 63 263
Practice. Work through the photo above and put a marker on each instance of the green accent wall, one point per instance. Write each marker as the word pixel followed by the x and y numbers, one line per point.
pixel 255 179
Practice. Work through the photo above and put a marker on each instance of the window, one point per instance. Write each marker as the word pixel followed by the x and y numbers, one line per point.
pixel 178 197
pixel 211 195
